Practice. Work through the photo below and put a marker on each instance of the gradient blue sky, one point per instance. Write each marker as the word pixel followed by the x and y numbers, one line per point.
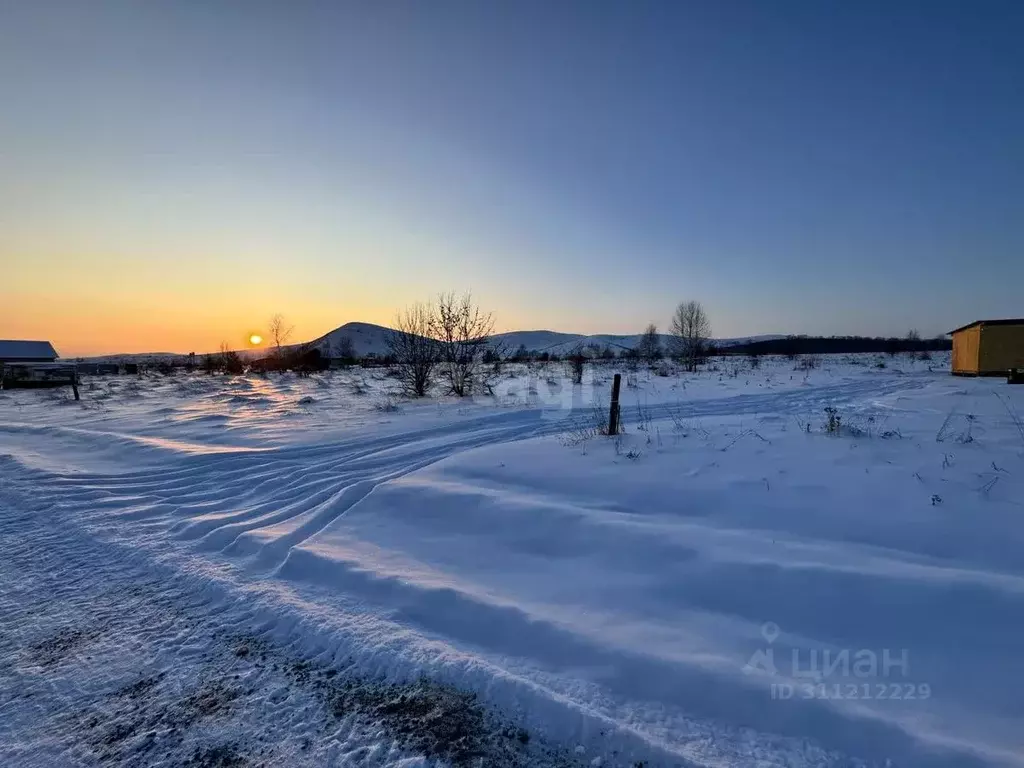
pixel 173 173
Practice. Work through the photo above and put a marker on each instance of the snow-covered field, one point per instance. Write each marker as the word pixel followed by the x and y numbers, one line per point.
pixel 201 570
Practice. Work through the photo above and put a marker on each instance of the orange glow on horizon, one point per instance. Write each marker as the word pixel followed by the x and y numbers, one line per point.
pixel 84 314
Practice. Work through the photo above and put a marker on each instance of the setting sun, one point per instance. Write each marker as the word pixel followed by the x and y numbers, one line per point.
pixel 255 339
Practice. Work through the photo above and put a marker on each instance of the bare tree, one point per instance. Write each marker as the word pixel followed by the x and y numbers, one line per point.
pixel 462 331
pixel 415 352
pixel 649 346
pixel 279 331
pixel 691 331
pixel 575 364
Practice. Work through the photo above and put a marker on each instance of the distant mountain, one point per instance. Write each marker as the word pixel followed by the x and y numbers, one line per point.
pixel 365 338
pixel 536 341
pixel 368 339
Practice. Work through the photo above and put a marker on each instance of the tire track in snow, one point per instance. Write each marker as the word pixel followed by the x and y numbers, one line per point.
pixel 107 659
pixel 298 491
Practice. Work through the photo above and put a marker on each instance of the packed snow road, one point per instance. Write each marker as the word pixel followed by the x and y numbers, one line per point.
pixel 176 593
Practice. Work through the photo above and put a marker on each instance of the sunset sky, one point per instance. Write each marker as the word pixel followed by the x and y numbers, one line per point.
pixel 174 173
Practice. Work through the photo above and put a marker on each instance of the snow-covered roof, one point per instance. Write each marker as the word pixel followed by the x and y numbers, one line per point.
pixel 11 349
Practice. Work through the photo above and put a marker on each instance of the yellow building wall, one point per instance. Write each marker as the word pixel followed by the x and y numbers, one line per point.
pixel 1002 348
pixel 966 345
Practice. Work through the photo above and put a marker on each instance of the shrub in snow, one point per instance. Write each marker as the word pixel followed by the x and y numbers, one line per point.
pixel 575 364
pixel 577 434
pixel 833 421
pixel 585 425
pixel 385 404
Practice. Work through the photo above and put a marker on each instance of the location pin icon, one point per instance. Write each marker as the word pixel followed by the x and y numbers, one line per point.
pixel 770 631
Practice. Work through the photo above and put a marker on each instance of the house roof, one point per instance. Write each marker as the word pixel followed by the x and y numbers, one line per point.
pixel 1007 321
pixel 36 350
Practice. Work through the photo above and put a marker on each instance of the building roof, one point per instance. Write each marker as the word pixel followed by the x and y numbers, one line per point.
pixel 1007 321
pixel 34 350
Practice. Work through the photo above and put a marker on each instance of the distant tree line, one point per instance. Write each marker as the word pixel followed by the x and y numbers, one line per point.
pixel 451 339
pixel 792 346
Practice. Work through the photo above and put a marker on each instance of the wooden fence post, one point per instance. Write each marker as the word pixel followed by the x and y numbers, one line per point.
pixel 613 414
pixel 74 382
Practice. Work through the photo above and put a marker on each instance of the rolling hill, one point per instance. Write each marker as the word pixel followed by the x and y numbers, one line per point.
pixel 368 339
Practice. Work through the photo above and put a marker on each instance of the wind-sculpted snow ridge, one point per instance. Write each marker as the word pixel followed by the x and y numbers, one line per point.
pixel 658 599
pixel 110 659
